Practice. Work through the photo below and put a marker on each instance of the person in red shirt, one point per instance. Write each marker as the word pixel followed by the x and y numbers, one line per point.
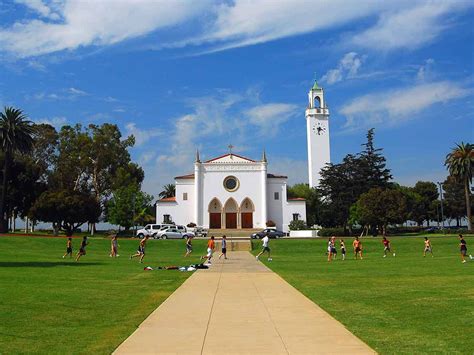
pixel 386 247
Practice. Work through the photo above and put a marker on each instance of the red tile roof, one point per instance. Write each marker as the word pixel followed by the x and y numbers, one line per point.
pixel 297 199
pixel 168 199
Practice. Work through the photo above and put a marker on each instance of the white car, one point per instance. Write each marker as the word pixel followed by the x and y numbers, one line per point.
pixel 173 232
pixel 151 230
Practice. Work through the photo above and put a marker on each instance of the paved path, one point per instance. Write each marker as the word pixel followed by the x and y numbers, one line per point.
pixel 239 306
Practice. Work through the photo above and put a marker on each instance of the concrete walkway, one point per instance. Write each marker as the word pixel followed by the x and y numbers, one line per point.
pixel 239 306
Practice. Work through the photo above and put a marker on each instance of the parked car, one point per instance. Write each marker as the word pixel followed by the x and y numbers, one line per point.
pixel 270 232
pixel 151 230
pixel 198 231
pixel 173 232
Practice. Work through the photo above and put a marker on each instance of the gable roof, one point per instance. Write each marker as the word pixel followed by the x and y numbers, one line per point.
pixel 229 156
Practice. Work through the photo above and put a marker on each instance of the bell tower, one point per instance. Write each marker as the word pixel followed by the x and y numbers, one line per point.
pixel 317 130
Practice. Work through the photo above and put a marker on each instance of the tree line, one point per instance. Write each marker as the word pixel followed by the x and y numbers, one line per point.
pixel 69 177
pixel 360 191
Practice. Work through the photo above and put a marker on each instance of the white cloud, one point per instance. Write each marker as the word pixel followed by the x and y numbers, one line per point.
pixel 57 122
pixel 65 94
pixel 142 136
pixel 91 22
pixel 409 27
pixel 69 24
pixel 40 7
pixel 395 106
pixel 76 92
pixel 269 117
pixel 213 122
pixel 348 67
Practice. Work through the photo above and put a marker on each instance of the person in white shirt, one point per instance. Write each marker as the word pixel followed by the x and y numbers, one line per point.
pixel 266 248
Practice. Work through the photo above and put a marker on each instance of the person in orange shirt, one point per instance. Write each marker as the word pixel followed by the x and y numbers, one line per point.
pixel 357 245
pixel 210 250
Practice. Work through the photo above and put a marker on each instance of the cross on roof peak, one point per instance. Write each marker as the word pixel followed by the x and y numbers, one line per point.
pixel 230 146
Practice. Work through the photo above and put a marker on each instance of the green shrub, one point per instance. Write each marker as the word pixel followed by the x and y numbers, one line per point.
pixel 297 225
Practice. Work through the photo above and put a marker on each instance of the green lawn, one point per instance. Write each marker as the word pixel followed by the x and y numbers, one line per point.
pixel 404 304
pixel 50 305
pixel 407 304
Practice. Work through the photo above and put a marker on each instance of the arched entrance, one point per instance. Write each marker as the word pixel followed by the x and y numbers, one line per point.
pixel 246 213
pixel 215 213
pixel 230 210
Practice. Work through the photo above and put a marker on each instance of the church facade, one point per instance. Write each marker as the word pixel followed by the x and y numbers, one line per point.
pixel 234 192
pixel 231 192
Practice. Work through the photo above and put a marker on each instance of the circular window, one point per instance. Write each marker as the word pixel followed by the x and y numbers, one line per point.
pixel 231 183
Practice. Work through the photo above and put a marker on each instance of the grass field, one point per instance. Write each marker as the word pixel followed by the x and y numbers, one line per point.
pixel 404 304
pixel 54 305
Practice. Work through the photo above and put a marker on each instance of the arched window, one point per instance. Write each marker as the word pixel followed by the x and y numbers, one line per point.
pixel 317 102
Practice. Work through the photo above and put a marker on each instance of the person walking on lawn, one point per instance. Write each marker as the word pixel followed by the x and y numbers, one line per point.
pixel 82 250
pixel 224 247
pixel 387 248
pixel 189 244
pixel 68 248
pixel 265 248
pixel 428 247
pixel 114 247
pixel 463 248
pixel 141 249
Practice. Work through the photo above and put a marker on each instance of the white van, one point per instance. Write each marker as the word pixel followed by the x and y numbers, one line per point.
pixel 151 230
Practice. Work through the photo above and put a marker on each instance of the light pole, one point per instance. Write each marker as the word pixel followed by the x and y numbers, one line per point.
pixel 441 197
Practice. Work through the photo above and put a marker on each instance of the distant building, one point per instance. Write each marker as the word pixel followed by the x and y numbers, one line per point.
pixel 234 192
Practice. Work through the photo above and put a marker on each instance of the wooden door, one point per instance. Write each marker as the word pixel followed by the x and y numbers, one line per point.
pixel 247 220
pixel 215 220
pixel 231 220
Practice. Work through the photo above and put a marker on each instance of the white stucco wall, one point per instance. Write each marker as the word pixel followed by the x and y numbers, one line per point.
pixel 275 207
pixel 249 187
pixel 293 207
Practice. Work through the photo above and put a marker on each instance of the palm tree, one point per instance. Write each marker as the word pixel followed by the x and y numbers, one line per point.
pixel 460 163
pixel 16 136
pixel 168 191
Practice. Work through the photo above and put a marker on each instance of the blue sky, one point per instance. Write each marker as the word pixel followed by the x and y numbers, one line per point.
pixel 181 76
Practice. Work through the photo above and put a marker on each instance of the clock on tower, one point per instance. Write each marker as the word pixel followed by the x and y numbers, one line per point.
pixel 317 126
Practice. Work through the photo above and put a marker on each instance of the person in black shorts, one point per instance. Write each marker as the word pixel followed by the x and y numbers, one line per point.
pixel 343 249
pixel 224 247
pixel 463 248
pixel 68 248
pixel 141 249
pixel 82 250
pixel 333 247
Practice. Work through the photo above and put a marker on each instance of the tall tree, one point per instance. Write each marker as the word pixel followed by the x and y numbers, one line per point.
pixel 342 184
pixel 424 208
pixel 454 201
pixel 169 190
pixel 381 207
pixel 373 164
pixel 460 163
pixel 16 136
pixel 66 209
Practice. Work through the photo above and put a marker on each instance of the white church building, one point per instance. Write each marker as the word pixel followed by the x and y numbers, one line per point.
pixel 234 192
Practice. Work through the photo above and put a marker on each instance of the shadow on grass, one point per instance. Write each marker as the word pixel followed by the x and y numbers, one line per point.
pixel 45 263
